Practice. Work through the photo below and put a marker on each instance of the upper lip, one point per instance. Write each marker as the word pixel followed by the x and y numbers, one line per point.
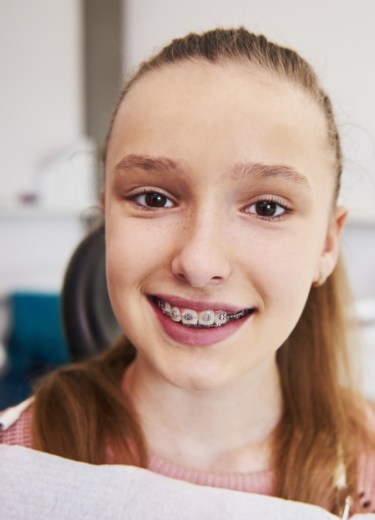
pixel 199 305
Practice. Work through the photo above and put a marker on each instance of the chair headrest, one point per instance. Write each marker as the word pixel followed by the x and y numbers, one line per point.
pixel 89 323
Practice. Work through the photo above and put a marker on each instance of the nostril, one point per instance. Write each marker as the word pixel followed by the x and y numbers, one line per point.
pixel 180 276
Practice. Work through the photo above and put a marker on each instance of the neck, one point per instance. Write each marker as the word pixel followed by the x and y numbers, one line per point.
pixel 225 429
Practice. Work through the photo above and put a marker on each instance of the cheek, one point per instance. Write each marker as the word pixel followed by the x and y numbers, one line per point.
pixel 134 250
pixel 128 263
pixel 282 266
pixel 282 280
pixel 127 259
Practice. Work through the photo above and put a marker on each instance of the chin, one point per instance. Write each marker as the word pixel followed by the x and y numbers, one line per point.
pixel 199 379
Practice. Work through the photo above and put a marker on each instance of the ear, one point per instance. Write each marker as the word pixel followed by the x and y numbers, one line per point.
pixel 330 253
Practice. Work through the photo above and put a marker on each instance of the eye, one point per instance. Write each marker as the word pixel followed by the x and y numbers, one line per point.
pixel 267 209
pixel 152 199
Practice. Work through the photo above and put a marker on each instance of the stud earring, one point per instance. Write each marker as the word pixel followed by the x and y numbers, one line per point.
pixel 320 281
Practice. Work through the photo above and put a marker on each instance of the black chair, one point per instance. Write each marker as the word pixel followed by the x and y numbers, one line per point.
pixel 89 323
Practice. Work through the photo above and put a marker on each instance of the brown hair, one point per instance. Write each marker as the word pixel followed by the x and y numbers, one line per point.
pixel 80 409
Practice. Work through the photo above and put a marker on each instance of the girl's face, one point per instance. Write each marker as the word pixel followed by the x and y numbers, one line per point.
pixel 219 216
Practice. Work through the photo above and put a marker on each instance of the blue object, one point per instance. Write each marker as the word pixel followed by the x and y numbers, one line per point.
pixel 35 345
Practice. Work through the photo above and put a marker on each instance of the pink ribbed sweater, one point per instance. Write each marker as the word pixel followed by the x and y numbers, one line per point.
pixel 19 433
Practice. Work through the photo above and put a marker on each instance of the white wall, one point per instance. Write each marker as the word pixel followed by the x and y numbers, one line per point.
pixel 336 36
pixel 41 122
pixel 41 101
pixel 37 250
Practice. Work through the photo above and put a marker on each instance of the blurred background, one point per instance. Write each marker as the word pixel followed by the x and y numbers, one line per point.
pixel 62 67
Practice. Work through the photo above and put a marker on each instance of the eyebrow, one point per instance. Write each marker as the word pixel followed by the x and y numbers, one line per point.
pixel 147 163
pixel 249 169
pixel 265 171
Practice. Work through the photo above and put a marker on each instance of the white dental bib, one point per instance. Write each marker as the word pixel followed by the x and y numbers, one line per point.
pixel 36 485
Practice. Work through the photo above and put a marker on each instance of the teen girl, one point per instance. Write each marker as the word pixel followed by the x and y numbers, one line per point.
pixel 222 170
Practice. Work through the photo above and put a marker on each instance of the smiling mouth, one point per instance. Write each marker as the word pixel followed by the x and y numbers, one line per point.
pixel 206 319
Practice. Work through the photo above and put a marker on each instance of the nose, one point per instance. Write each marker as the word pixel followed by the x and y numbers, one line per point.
pixel 202 255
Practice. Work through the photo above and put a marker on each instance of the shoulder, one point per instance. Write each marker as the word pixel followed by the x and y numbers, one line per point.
pixel 366 482
pixel 15 424
pixel 366 469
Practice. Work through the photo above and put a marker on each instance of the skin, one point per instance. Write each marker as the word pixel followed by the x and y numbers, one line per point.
pixel 203 136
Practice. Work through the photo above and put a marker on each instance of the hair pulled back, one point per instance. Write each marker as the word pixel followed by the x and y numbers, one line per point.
pixel 240 45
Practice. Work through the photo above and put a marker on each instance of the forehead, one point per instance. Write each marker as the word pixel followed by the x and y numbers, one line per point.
pixel 235 108
pixel 221 87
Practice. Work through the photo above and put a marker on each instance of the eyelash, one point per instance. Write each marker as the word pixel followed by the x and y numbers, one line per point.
pixel 266 199
pixel 270 200
pixel 148 191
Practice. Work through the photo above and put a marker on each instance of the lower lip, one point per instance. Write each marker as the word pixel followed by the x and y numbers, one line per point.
pixel 197 337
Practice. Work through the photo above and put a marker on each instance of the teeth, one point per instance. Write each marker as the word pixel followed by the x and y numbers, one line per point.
pixel 239 314
pixel 189 317
pixel 221 317
pixel 206 318
pixel 167 308
pixel 175 314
